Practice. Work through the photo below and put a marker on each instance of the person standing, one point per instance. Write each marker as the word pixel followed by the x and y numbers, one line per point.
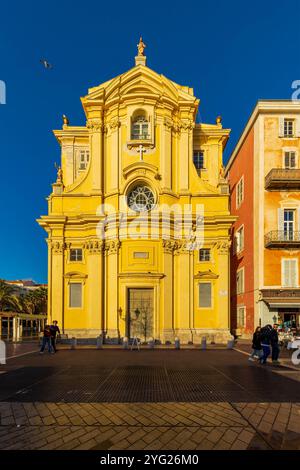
pixel 47 340
pixel 54 331
pixel 275 344
pixel 256 345
pixel 265 338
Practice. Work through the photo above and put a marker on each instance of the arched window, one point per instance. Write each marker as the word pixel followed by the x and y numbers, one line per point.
pixel 140 128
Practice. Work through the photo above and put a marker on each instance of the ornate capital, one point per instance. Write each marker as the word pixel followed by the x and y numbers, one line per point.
pixel 94 246
pixel 187 125
pixel 168 123
pixel 95 125
pixel 112 246
pixel 223 247
pixel 169 246
pixel 114 123
pixel 57 247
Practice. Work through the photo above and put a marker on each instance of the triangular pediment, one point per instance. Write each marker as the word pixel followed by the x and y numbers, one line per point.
pixel 206 275
pixel 144 82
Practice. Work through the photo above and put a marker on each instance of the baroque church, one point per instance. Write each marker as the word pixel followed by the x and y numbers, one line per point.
pixel 110 272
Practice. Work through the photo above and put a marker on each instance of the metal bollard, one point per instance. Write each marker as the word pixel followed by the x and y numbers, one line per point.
pixel 125 342
pixel 99 342
pixel 230 344
pixel 203 343
pixel 177 343
pixel 73 343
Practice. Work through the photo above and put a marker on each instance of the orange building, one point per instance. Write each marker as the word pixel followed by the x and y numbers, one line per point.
pixel 264 179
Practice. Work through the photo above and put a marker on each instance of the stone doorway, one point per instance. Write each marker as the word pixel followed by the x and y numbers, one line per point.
pixel 140 318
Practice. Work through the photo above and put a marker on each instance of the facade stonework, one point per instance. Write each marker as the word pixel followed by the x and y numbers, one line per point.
pixel 140 147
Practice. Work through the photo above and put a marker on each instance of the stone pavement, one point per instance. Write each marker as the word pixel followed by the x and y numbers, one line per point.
pixel 150 426
pixel 196 423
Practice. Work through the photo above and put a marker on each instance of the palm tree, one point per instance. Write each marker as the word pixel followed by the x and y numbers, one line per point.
pixel 6 293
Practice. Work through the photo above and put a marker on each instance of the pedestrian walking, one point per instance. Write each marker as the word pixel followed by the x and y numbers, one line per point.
pixel 275 344
pixel 265 338
pixel 47 340
pixel 54 331
pixel 256 345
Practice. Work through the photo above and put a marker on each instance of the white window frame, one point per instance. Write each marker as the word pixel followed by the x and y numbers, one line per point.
pixel 289 150
pixel 243 287
pixel 288 136
pixel 283 284
pixel 82 295
pixel 242 307
pixel 210 307
pixel 238 247
pixel 240 194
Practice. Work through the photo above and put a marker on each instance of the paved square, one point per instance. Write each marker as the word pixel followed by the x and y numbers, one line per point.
pixel 161 399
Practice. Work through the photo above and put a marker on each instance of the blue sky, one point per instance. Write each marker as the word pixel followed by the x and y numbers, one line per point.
pixel 232 53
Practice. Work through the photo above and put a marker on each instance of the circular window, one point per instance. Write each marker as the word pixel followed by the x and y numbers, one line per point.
pixel 141 199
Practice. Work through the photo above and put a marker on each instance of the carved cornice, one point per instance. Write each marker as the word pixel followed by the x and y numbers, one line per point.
pixel 206 275
pixel 169 246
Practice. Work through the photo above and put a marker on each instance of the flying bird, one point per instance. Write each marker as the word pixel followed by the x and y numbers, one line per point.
pixel 46 64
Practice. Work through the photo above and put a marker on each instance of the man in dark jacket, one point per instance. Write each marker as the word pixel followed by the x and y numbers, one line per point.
pixel 46 340
pixel 265 338
pixel 275 344
pixel 54 331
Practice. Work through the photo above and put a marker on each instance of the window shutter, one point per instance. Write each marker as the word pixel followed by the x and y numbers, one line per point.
pixel 280 219
pixel 293 273
pixel 281 127
pixel 285 273
pixel 75 295
pixel 298 217
pixel 297 124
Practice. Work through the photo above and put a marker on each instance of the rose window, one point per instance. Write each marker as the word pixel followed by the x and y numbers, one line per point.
pixel 141 199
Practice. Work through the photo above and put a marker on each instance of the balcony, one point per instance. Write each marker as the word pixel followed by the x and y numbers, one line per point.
pixel 283 178
pixel 286 297
pixel 282 239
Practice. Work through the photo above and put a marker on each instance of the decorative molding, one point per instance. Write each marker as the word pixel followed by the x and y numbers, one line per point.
pixel 142 275
pixel 206 275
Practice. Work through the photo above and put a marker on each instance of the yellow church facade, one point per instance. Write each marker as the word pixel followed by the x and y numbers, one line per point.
pixel 118 265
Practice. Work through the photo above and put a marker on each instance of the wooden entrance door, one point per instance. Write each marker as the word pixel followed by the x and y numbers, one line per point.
pixel 140 313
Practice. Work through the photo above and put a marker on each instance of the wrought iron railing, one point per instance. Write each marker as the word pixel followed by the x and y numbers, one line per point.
pixel 282 236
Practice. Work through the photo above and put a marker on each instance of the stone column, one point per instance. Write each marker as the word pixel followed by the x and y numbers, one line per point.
pixel 112 289
pixel 166 154
pixel 94 250
pixel 113 182
pixel 96 127
pixel 223 293
pixel 182 294
pixel 167 291
pixel 57 283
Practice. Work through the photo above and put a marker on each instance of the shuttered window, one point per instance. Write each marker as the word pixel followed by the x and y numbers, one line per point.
pixel 240 192
pixel 241 317
pixel 289 272
pixel 240 281
pixel 290 159
pixel 205 295
pixel 75 295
